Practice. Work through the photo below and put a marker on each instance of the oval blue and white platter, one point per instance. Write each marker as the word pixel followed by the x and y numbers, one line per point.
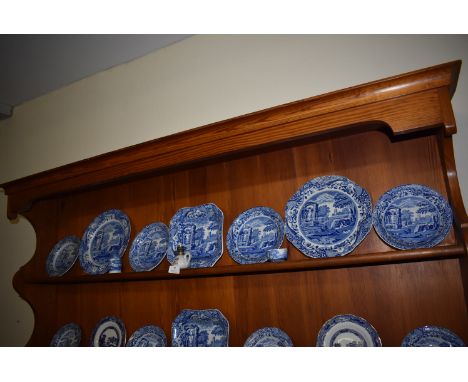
pixel 149 247
pixel 69 335
pixel 200 328
pixel 199 230
pixel 348 330
pixel 148 336
pixel 62 256
pixel 107 236
pixel 268 337
pixel 328 216
pixel 253 233
pixel 433 336
pixel 412 216
pixel 109 332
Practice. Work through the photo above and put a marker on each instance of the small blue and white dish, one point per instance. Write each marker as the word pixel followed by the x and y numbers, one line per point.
pixel 328 216
pixel 268 337
pixel 105 237
pixel 412 216
pixel 253 233
pixel 62 256
pixel 109 332
pixel 277 255
pixel 148 336
pixel 69 335
pixel 149 247
pixel 433 336
pixel 198 230
pixel 348 330
pixel 200 328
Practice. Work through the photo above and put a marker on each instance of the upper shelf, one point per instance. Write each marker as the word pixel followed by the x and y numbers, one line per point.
pixel 406 103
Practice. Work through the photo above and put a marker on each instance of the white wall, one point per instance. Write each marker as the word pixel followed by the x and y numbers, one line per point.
pixel 200 80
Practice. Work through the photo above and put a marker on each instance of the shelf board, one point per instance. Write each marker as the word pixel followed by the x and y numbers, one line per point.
pixel 396 256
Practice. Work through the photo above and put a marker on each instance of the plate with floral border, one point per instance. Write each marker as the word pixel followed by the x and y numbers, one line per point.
pixel 199 230
pixel 149 247
pixel 200 328
pixel 62 256
pixel 109 332
pixel 253 233
pixel 434 336
pixel 68 335
pixel 328 216
pixel 268 337
pixel 148 336
pixel 107 236
pixel 412 216
pixel 348 330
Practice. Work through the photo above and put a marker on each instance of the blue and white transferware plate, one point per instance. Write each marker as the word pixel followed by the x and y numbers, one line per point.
pixel 107 236
pixel 253 233
pixel 62 256
pixel 412 216
pixel 268 337
pixel 149 247
pixel 329 216
pixel 200 328
pixel 67 335
pixel 432 336
pixel 199 230
pixel 348 330
pixel 109 332
pixel 148 336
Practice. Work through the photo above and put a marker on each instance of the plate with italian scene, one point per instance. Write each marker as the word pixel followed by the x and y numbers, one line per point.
pixel 253 233
pixel 69 335
pixel 148 336
pixel 268 337
pixel 200 328
pixel 109 332
pixel 198 230
pixel 328 216
pixel 412 216
pixel 149 247
pixel 62 256
pixel 432 336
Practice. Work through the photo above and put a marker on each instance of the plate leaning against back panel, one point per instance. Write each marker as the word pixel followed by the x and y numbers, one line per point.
pixel 268 337
pixel 253 233
pixel 62 256
pixel 328 216
pixel 199 230
pixel 148 336
pixel 200 328
pixel 348 330
pixel 109 332
pixel 149 247
pixel 106 236
pixel 68 335
pixel 412 216
pixel 434 336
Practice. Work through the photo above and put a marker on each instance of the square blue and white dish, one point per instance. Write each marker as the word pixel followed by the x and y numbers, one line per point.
pixel 198 230
pixel 412 216
pixel 149 247
pixel 62 256
pixel 109 332
pixel 253 233
pixel 69 335
pixel 107 236
pixel 432 336
pixel 148 336
pixel 268 337
pixel 348 330
pixel 200 328
pixel 328 216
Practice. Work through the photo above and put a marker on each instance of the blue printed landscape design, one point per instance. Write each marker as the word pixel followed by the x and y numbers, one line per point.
pixel 432 336
pixel 268 337
pixel 149 247
pixel 148 336
pixel 62 256
pixel 68 335
pixel 109 332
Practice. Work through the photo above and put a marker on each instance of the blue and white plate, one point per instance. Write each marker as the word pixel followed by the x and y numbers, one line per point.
pixel 107 236
pixel 412 216
pixel 109 332
pixel 432 336
pixel 329 216
pixel 199 230
pixel 200 328
pixel 148 336
pixel 149 247
pixel 348 330
pixel 268 337
pixel 253 233
pixel 62 256
pixel 68 335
